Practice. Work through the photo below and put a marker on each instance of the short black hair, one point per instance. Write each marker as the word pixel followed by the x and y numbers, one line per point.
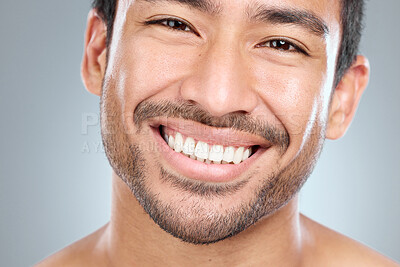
pixel 352 22
pixel 106 10
pixel 352 14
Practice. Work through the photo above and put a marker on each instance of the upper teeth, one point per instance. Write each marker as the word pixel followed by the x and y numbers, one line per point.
pixel 204 152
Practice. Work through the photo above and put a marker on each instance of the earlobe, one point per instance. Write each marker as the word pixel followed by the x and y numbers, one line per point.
pixel 346 97
pixel 94 57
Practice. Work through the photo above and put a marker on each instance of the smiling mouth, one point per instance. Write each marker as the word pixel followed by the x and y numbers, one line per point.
pixel 196 151
pixel 206 152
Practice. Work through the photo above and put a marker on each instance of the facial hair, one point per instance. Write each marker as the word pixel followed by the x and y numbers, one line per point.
pixel 199 224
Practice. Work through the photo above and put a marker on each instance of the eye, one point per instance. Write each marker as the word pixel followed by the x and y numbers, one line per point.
pixel 282 45
pixel 176 25
pixel 173 24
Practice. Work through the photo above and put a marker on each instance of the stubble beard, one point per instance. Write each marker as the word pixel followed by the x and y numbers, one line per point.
pixel 200 223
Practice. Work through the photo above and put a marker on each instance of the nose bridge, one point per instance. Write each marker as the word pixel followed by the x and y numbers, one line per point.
pixel 223 81
pixel 223 64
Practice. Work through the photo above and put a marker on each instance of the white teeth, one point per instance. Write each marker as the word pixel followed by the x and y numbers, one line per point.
pixel 178 143
pixel 246 154
pixel 188 147
pixel 216 153
pixel 171 142
pixel 229 154
pixel 237 158
pixel 201 150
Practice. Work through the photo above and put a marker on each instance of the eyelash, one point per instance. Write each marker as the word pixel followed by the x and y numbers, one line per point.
pixel 165 21
pixel 296 48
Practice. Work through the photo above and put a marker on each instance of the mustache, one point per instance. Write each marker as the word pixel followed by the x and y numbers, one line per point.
pixel 190 111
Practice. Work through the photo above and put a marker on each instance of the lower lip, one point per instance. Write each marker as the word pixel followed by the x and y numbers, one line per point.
pixel 193 169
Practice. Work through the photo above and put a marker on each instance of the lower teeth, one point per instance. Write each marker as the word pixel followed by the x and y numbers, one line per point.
pixel 206 160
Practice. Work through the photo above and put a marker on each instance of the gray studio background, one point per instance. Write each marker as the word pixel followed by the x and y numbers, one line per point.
pixel 55 179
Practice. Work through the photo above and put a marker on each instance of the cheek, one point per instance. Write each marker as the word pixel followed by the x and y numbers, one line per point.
pixel 147 69
pixel 293 95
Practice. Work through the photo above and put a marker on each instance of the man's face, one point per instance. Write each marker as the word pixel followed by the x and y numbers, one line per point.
pixel 248 80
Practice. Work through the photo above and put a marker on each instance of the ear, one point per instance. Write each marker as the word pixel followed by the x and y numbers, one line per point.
pixel 346 97
pixel 94 56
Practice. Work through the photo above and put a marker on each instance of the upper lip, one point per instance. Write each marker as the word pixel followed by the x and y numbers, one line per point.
pixel 211 135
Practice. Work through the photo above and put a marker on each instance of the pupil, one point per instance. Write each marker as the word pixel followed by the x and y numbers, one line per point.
pixel 282 45
pixel 176 25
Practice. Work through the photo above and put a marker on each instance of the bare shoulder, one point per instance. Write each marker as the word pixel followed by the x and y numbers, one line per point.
pixel 331 248
pixel 84 252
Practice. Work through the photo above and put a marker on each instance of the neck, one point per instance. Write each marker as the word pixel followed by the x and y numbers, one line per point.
pixel 132 238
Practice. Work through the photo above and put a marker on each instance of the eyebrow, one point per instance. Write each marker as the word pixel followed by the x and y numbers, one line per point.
pixel 260 13
pixel 298 17
pixel 205 6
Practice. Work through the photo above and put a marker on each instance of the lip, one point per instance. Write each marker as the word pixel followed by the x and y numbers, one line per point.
pixel 193 169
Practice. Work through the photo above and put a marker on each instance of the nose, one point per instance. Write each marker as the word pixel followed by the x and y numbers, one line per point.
pixel 221 82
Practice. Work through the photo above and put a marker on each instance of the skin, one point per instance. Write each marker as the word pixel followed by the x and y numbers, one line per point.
pixel 223 71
